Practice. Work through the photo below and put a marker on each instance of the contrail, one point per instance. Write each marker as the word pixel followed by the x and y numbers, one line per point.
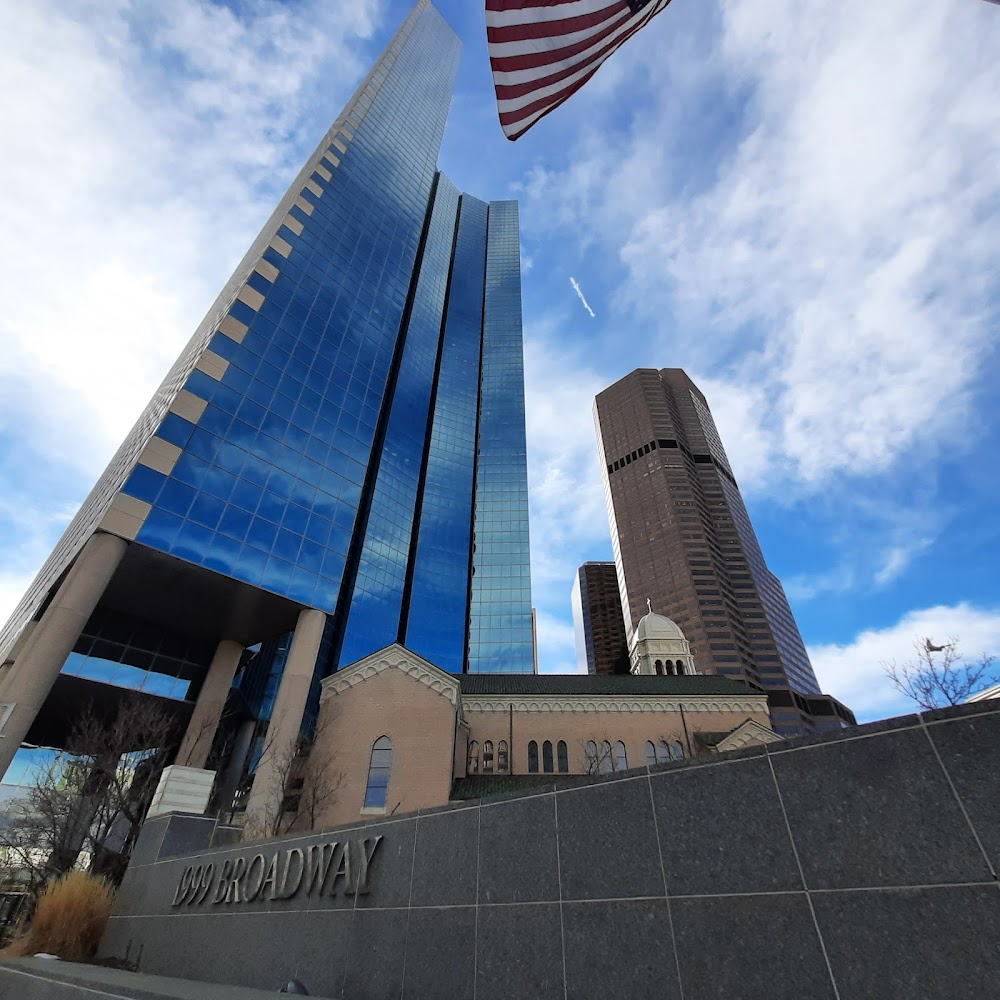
pixel 580 295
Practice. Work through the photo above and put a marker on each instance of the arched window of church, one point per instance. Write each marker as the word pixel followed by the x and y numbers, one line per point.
pixel 680 669
pixel 678 749
pixel 659 666
pixel 473 767
pixel 532 757
pixel 547 757
pixel 378 774
pixel 607 764
pixel 488 756
pixel 590 751
pixel 621 757
pixel 664 751
pixel 650 753
pixel 563 757
pixel 503 758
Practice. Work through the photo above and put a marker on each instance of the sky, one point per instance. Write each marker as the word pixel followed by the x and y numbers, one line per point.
pixel 797 203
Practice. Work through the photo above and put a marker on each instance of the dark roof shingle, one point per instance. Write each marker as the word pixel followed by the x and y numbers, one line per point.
pixel 615 684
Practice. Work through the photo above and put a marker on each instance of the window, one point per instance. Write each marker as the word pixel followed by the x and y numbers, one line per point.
pixel 650 753
pixel 378 774
pixel 621 757
pixel 591 754
pixel 563 757
pixel 547 757
pixel 473 765
pixel 503 757
pixel 678 749
pixel 532 757
pixel 488 756
pixel 607 762
pixel 680 669
pixel 659 666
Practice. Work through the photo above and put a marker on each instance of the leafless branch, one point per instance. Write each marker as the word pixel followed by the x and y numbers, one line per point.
pixel 938 675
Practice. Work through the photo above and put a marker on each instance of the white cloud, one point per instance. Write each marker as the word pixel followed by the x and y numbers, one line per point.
pixel 567 507
pixel 853 671
pixel 581 297
pixel 838 258
pixel 555 645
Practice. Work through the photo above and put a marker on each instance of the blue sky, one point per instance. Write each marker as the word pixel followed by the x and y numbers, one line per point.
pixel 800 205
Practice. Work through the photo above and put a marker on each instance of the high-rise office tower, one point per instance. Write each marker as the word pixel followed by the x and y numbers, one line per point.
pixel 335 463
pixel 601 646
pixel 683 540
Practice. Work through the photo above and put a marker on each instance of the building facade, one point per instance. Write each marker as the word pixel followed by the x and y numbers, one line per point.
pixel 601 646
pixel 397 734
pixel 335 463
pixel 683 542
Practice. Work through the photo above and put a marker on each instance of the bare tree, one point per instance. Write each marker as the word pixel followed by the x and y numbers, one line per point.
pixel 938 676
pixel 603 756
pixel 304 782
pixel 85 808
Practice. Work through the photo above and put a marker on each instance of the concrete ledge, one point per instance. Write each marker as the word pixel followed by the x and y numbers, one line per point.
pixel 45 979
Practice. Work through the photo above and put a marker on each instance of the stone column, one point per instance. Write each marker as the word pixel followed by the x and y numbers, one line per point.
pixel 197 742
pixel 289 705
pixel 37 667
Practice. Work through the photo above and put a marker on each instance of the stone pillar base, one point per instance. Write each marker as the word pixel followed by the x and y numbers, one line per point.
pixel 182 789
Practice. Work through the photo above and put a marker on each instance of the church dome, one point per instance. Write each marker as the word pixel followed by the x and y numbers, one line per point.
pixel 654 626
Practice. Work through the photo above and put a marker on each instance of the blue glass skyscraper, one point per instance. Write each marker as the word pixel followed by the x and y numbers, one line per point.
pixel 335 463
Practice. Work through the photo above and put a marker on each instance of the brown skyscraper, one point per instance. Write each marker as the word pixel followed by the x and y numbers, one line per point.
pixel 597 620
pixel 683 540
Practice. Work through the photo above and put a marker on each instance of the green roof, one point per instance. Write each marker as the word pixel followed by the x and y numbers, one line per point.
pixel 615 684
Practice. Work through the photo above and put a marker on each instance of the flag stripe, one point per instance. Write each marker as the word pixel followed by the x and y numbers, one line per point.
pixel 549 12
pixel 543 51
pixel 571 26
pixel 519 82
pixel 525 56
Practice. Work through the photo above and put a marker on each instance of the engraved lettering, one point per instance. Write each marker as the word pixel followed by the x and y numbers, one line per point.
pixel 250 894
pixel 342 870
pixel 182 886
pixel 233 892
pixel 205 884
pixel 291 885
pixel 364 860
pixel 318 860
pixel 271 878
pixel 224 879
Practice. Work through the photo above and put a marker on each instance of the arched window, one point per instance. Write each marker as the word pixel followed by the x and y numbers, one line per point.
pixel 591 753
pixel 503 758
pixel 670 669
pixel 563 756
pixel 621 757
pixel 650 753
pixel 607 761
pixel 659 666
pixel 680 669
pixel 664 751
pixel 678 749
pixel 378 774
pixel 532 757
pixel 488 756
pixel 473 765
pixel 547 757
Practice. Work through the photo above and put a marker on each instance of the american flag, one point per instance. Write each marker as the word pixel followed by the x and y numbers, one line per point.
pixel 543 51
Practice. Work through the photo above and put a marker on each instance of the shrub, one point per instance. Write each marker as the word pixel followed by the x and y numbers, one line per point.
pixel 69 919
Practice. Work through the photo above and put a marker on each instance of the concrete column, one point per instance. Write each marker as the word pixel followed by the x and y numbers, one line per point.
pixel 230 783
pixel 289 705
pixel 37 667
pixel 197 742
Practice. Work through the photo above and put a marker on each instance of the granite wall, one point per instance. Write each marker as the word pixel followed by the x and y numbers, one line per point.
pixel 839 866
